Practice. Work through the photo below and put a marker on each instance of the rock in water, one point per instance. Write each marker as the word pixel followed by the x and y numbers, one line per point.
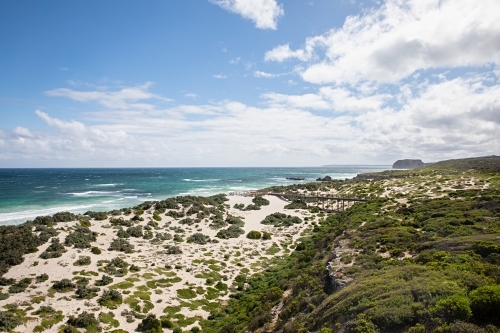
pixel 324 179
pixel 408 164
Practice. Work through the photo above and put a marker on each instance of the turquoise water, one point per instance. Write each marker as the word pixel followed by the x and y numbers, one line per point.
pixel 27 193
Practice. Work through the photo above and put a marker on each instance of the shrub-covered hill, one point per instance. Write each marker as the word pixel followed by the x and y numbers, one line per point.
pixel 423 257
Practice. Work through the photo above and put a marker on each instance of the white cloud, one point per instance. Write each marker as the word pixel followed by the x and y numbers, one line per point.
pixel 264 74
pixel 191 95
pixel 265 13
pixel 22 132
pixel 219 76
pixel 399 38
pixel 123 98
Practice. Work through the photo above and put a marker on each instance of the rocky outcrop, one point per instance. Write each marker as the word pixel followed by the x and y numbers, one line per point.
pixel 408 164
pixel 324 179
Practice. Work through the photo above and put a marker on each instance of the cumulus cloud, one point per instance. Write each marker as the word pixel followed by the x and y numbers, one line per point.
pixel 124 98
pixel 401 37
pixel 264 74
pixel 264 13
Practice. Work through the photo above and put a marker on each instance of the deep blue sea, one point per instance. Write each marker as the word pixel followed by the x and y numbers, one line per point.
pixel 27 193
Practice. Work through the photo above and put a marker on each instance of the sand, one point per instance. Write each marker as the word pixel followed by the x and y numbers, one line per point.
pixel 228 258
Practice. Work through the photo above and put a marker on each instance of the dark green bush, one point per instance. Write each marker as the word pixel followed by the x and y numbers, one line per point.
pixel 232 232
pixel 260 201
pixel 96 250
pixel 110 298
pixel 281 220
pixel 42 278
pixel 172 249
pixel 99 216
pixel 453 308
pixel 83 320
pixel 254 234
pixel 150 324
pixel 105 280
pixel 199 238
pixel 85 292
pixel 82 261
pixel 81 237
pixel 485 302
pixel 122 245
pixel 266 235
pixel 135 231
pixel 63 285
pixel 9 321
pixel 20 286
pixel 54 250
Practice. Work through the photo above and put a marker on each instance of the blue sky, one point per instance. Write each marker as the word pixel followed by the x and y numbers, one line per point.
pixel 247 82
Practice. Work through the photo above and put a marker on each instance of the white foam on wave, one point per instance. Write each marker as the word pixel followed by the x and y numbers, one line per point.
pixel 106 185
pixel 29 214
pixel 89 194
pixel 200 180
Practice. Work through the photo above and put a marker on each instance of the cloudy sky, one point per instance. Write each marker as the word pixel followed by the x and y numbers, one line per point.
pixel 247 82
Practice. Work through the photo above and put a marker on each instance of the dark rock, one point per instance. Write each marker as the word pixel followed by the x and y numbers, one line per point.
pixel 295 178
pixel 324 179
pixel 408 164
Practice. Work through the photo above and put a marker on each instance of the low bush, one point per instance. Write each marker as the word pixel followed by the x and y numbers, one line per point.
pixel 254 234
pixel 266 235
pixel 82 261
pixel 42 278
pixel 260 201
pixel 172 249
pixel 54 250
pixel 105 280
pixel 99 216
pixel 232 232
pixel 83 320
pixel 85 292
pixel 199 238
pixel 63 285
pixel 20 286
pixel 9 321
pixel 122 245
pixel 95 250
pixel 150 324
pixel 281 220
pixel 81 237
pixel 111 299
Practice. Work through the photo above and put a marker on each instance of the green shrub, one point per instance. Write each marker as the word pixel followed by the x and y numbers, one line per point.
pixel 63 285
pixel 95 250
pixel 485 302
pixel 9 321
pixel 254 234
pixel 104 281
pixel 42 278
pixel 199 238
pixel 82 261
pixel 260 201
pixel 232 231
pixel 266 235
pixel 453 308
pixel 99 216
pixel 3 296
pixel 85 292
pixel 172 249
pixel 150 324
pixel 111 299
pixel 135 231
pixel 54 250
pixel 83 320
pixel 281 220
pixel 20 286
pixel 81 237
pixel 156 217
pixel 122 245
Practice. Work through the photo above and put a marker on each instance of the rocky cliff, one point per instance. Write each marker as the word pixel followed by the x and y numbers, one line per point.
pixel 408 164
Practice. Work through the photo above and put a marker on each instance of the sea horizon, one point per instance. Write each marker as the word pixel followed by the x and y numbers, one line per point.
pixel 29 192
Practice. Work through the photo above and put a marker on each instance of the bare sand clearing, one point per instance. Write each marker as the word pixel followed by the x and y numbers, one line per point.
pixel 163 279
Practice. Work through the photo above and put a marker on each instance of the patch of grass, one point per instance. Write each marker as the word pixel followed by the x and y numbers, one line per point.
pixel 122 285
pixel 108 318
pixel 49 317
pixel 186 293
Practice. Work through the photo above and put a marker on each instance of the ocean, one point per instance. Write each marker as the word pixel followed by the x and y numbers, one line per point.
pixel 27 193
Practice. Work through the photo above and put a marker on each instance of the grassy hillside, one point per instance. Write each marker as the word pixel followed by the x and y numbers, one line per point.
pixel 422 257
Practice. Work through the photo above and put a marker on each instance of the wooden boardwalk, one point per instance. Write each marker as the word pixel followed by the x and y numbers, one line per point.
pixel 330 200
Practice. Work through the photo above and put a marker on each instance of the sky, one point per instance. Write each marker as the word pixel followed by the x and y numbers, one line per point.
pixel 231 83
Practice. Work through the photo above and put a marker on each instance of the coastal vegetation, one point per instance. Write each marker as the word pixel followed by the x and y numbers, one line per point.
pixel 422 254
